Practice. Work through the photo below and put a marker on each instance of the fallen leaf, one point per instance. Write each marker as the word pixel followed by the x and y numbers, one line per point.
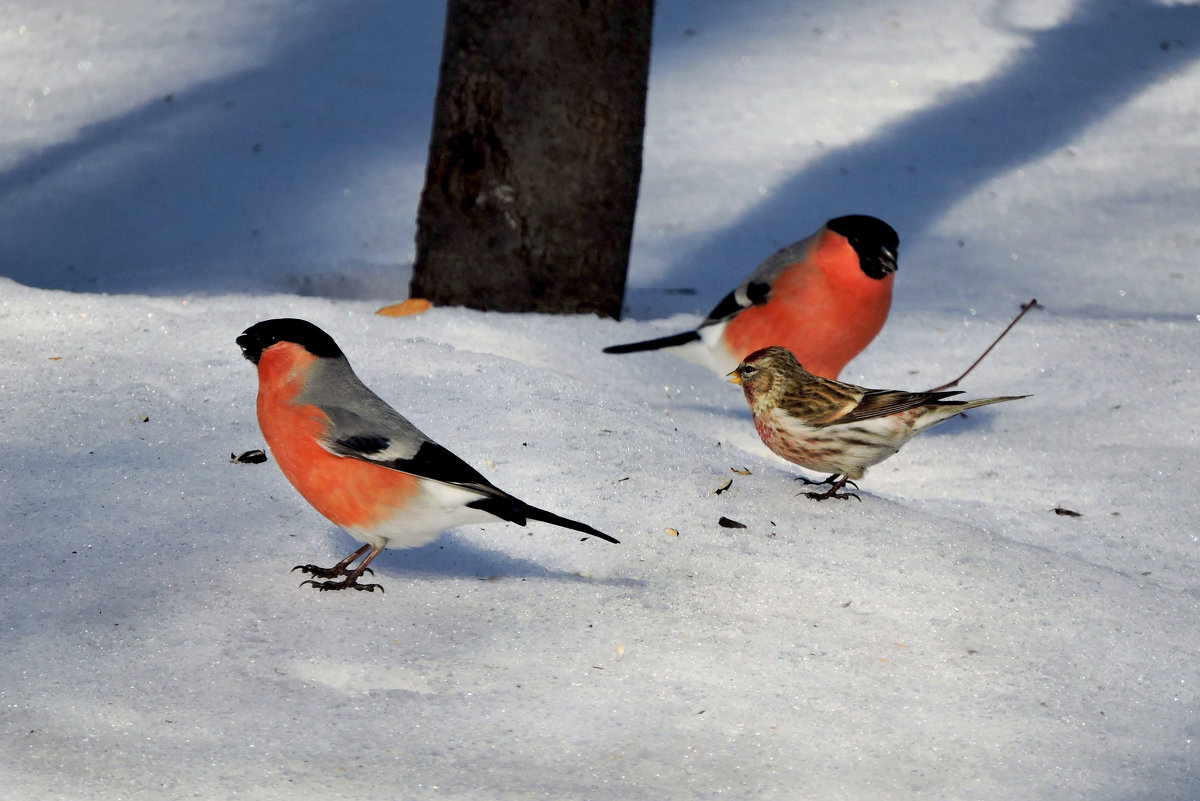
pixel 725 522
pixel 405 308
pixel 1058 510
pixel 724 487
pixel 745 471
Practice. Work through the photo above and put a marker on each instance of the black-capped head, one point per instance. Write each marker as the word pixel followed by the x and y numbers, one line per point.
pixel 260 336
pixel 875 242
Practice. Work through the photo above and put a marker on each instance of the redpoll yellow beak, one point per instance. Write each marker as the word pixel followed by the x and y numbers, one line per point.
pixel 734 378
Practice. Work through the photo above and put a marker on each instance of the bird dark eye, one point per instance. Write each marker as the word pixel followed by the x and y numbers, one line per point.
pixel 748 370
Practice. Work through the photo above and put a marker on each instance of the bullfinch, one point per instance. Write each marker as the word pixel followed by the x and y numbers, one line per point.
pixel 824 298
pixel 358 461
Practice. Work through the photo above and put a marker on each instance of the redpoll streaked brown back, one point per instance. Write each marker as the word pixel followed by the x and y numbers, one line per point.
pixel 834 427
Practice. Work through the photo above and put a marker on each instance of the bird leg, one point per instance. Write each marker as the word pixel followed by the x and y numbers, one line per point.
pixel 342 569
pixel 833 490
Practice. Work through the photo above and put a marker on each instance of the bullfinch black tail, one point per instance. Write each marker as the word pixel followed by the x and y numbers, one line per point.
pixel 534 513
pixel 655 344
pixel 517 511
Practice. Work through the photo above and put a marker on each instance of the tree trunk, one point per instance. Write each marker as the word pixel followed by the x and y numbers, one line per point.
pixel 535 156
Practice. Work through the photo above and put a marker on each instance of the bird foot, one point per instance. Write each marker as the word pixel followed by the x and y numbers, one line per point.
pixel 827 480
pixel 832 493
pixel 348 583
pixel 836 482
pixel 326 572
pixel 342 568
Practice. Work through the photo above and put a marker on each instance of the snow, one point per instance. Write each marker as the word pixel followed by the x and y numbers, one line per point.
pixel 950 636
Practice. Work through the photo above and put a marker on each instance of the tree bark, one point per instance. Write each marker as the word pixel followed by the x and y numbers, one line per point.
pixel 536 155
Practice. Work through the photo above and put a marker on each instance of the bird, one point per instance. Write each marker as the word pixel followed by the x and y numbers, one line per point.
pixel 833 427
pixel 824 297
pixel 358 461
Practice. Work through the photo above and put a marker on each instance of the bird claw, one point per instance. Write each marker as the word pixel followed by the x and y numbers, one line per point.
pixel 319 572
pixel 342 570
pixel 827 480
pixel 344 584
pixel 325 572
pixel 836 482
pixel 833 493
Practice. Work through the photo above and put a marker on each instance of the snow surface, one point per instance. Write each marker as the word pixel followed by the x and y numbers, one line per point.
pixel 187 169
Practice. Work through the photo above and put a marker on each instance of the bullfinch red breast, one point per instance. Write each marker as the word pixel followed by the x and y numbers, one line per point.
pixel 824 298
pixel 358 461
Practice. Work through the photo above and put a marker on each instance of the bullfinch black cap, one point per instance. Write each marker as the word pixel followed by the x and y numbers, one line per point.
pixel 260 336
